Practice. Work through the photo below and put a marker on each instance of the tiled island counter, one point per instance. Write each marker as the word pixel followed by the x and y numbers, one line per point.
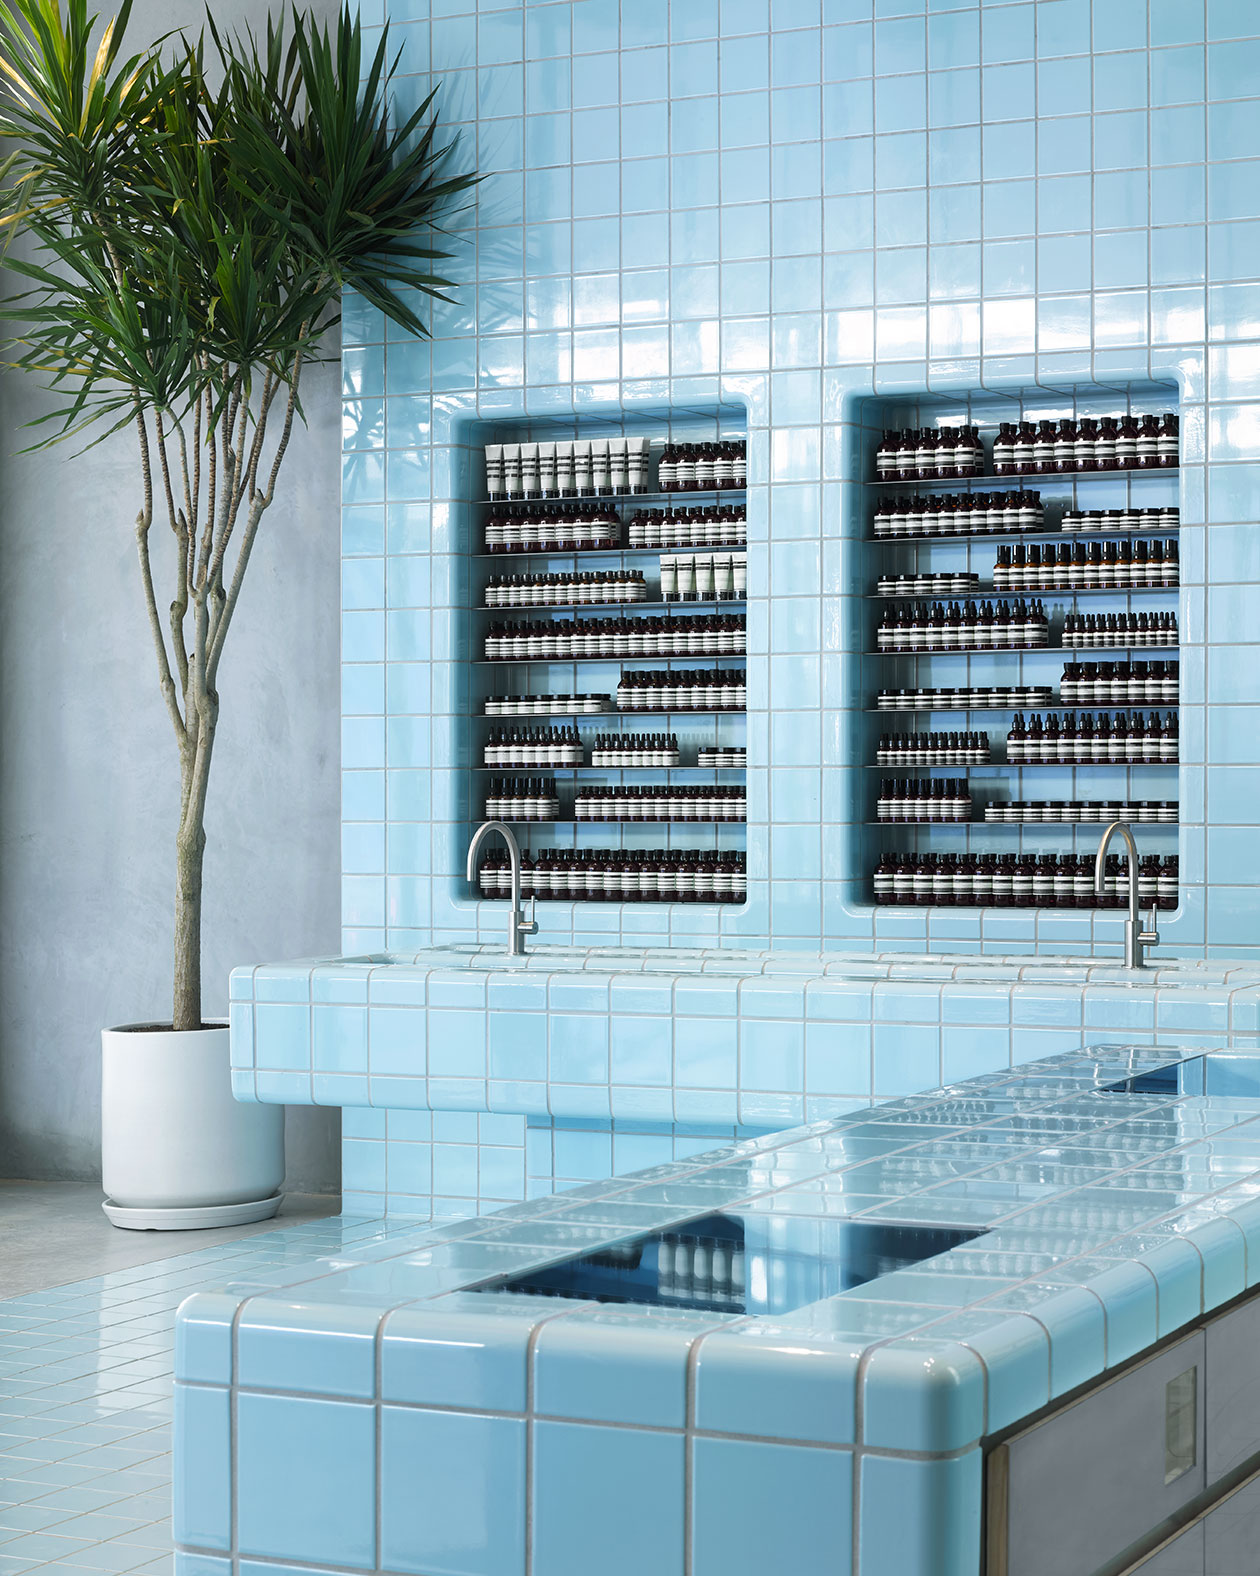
pixel 817 1339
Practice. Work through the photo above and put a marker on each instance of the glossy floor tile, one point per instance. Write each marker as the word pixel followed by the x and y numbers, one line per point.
pixel 54 1232
pixel 85 1400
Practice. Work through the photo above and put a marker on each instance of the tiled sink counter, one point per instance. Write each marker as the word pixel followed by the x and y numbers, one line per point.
pixel 696 1036
pixel 453 1403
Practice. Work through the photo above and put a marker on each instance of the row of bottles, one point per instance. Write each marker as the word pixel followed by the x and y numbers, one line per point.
pixel 522 799
pixel 635 749
pixel 621 875
pixel 689 467
pixel 919 453
pixel 1121 630
pixel 722 757
pixel 1135 683
pixel 1108 443
pixel 1167 517
pixel 933 749
pixel 1020 881
pixel 703 577
pixel 574 468
pixel 679 804
pixel 1077 566
pixel 1059 812
pixel 563 528
pixel 964 626
pixel 1074 741
pixel 922 799
pixel 533 747
pixel 709 1270
pixel 716 689
pixel 716 525
pixel 1082 684
pixel 944 582
pixel 546 705
pixel 961 514
pixel 572 589
pixel 972 697
pixel 709 635
pixel 1038 447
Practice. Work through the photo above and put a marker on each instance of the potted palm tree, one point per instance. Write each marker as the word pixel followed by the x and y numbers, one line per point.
pixel 182 222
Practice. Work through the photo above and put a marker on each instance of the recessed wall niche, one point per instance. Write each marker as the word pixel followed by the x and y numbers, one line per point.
pixel 1018 679
pixel 605 625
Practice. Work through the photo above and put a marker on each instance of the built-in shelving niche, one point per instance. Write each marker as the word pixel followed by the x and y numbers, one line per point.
pixel 696 727
pixel 1116 786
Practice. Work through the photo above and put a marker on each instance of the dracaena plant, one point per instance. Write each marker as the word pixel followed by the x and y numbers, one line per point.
pixel 190 215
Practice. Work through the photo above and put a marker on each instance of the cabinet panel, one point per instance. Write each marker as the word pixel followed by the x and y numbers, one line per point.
pixel 1085 1483
pixel 1182 1557
pixel 1232 1533
pixel 1233 1389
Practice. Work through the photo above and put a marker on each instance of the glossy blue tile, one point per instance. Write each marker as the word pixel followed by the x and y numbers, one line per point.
pixel 578 1048
pixel 647 1384
pixel 203 1338
pixel 579 1487
pixel 202 1505
pixel 306 1480
pixel 771 1054
pixel 776 1384
pixel 796 1504
pixel 923 1395
pixel 920 1515
pixel 291 1345
pixel 452 1493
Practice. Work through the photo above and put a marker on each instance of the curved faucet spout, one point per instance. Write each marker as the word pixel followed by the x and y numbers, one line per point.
pixel 518 926
pixel 488 829
pixel 1136 940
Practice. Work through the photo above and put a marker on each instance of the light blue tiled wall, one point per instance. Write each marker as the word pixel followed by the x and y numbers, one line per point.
pixel 788 205
pixel 791 205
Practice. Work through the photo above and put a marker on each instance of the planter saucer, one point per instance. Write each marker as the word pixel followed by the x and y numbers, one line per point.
pixel 193 1219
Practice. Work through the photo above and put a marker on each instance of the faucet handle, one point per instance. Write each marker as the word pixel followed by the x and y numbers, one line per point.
pixel 1150 936
pixel 529 927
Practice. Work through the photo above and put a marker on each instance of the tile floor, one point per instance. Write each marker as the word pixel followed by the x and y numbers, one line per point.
pixel 85 1402
pixel 54 1232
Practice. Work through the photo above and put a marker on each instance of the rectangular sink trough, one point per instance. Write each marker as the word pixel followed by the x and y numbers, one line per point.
pixel 753 1263
pixel 1215 1074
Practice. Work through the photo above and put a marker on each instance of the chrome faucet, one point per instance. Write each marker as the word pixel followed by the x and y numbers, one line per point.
pixel 518 926
pixel 1136 940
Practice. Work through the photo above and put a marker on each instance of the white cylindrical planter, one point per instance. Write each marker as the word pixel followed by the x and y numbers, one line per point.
pixel 177 1151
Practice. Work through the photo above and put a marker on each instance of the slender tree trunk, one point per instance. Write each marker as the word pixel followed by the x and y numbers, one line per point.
pixel 190 853
pixel 190 850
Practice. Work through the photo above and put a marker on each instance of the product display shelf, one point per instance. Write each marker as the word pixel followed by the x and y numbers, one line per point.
pixel 1028 481
pixel 1010 766
pixel 1001 533
pixel 1088 653
pixel 627 552
pixel 639 658
pixel 718 605
pixel 603 771
pixel 669 495
pixel 1012 833
pixel 969 827
pixel 716 835
pixel 1025 705
pixel 991 591
pixel 674 825
pixel 618 712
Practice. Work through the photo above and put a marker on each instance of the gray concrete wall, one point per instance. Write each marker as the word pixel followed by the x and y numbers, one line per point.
pixel 89 778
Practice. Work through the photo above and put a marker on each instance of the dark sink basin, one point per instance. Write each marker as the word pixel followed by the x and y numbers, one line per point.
pixel 1220 1073
pixel 739 1263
